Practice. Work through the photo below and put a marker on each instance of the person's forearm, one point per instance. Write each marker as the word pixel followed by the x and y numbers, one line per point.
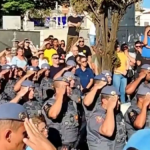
pixel 18 84
pixel 56 108
pixel 108 125
pixel 90 84
pixel 145 39
pixel 141 119
pixel 132 86
pixel 88 100
pixel 16 99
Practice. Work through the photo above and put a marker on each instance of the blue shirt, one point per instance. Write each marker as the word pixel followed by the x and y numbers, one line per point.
pixel 146 51
pixel 18 62
pixel 84 76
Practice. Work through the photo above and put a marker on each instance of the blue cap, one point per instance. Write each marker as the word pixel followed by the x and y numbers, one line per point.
pixel 13 66
pixel 107 73
pixel 69 75
pixel 71 63
pixel 6 67
pixel 143 90
pixel 12 111
pixel 140 140
pixel 61 79
pixel 32 68
pixel 100 77
pixel 45 66
pixel 110 90
pixel 28 83
pixel 145 66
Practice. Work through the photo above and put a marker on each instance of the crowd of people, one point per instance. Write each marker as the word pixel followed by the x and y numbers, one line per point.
pixel 52 98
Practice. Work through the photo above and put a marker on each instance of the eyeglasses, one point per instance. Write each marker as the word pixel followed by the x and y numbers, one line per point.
pixel 81 41
pixel 56 58
pixel 84 61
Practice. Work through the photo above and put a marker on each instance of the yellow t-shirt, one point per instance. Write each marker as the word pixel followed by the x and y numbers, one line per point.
pixel 123 62
pixel 48 53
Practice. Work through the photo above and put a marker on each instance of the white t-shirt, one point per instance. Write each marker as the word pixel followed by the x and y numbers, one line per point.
pixel 42 62
pixel 92 30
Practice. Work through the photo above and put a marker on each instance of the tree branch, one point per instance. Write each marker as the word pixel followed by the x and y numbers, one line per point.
pixel 132 2
pixel 115 3
pixel 97 17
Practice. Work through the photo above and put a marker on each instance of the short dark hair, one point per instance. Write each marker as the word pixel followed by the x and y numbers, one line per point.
pixel 105 96
pixel 137 42
pixel 123 46
pixel 55 39
pixel 131 148
pixel 50 36
pixel 34 58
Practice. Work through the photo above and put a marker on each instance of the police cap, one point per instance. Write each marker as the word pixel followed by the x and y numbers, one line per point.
pixel 32 68
pixel 145 66
pixel 107 73
pixel 12 111
pixel 143 90
pixel 71 63
pixel 110 90
pixel 28 83
pixel 45 66
pixel 100 77
pixel 6 67
pixel 69 75
pixel 61 79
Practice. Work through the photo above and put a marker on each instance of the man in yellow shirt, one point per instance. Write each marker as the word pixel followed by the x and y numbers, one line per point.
pixel 49 52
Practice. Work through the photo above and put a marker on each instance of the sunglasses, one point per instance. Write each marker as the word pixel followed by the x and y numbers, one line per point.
pixel 84 61
pixel 138 46
pixel 81 41
pixel 56 58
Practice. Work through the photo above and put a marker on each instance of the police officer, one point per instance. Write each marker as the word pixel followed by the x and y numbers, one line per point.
pixel 108 75
pixel 138 116
pixel 46 82
pixel 105 127
pixel 32 75
pixel 17 132
pixel 9 87
pixel 61 115
pixel 32 105
pixel 92 97
pixel 12 129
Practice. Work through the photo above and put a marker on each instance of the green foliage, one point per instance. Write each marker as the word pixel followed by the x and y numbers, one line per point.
pixel 16 7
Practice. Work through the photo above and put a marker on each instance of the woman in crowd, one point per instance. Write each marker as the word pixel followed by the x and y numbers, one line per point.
pixel 7 54
pixel 63 45
pixel 40 123
pixel 119 77
pixel 42 60
pixel 19 59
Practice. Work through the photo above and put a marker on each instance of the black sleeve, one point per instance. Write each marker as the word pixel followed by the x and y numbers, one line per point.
pixel 80 19
pixel 132 116
pixel 88 51
pixel 68 18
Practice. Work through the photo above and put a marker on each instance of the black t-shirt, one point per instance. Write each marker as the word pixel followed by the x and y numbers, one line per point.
pixel 139 58
pixel 73 31
pixel 55 70
pixel 27 53
pixel 60 51
pixel 85 50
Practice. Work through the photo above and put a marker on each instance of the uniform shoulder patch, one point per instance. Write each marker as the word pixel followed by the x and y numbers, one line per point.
pixel 99 119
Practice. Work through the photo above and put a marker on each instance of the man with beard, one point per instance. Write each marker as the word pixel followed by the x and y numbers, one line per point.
pixel 105 127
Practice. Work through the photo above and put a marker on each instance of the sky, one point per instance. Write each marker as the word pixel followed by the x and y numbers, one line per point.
pixel 146 3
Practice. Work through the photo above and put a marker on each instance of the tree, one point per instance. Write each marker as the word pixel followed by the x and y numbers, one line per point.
pixel 16 7
pixel 106 15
